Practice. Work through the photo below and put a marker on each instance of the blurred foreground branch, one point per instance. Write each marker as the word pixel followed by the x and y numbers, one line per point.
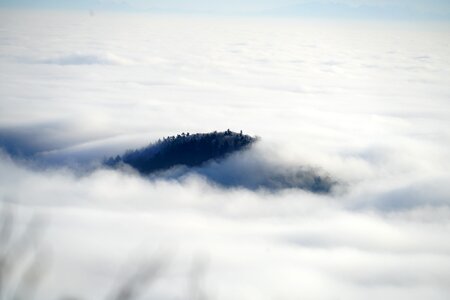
pixel 22 264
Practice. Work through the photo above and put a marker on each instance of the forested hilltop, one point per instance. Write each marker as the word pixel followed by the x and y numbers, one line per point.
pixel 184 149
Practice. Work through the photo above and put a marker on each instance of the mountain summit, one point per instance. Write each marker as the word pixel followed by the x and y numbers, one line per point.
pixel 183 150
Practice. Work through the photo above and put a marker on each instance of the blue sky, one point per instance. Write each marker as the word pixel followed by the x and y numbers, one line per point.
pixel 393 9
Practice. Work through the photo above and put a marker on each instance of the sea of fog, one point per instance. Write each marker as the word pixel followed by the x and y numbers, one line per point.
pixel 366 103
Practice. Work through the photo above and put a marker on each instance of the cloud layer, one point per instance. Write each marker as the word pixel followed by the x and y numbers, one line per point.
pixel 368 104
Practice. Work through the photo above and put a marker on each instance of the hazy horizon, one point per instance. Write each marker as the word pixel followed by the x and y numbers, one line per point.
pixel 416 10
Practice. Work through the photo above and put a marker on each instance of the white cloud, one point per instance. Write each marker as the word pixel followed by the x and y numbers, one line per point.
pixel 86 59
pixel 377 121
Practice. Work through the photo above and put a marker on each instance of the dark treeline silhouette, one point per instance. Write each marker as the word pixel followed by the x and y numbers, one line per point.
pixel 184 149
